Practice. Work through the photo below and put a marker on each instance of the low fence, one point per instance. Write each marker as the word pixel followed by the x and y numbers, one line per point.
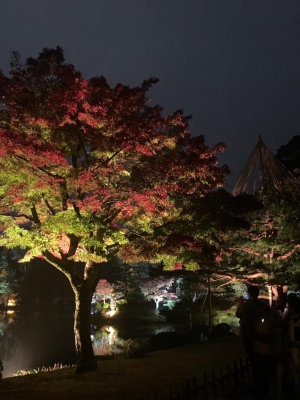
pixel 217 385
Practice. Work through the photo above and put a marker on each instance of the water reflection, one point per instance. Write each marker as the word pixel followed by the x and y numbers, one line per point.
pixel 8 342
pixel 31 339
pixel 107 342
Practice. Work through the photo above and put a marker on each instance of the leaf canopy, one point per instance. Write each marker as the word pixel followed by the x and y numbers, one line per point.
pixel 86 168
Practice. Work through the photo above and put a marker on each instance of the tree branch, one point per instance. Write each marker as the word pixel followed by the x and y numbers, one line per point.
pixel 107 161
pixel 51 209
pixel 234 278
pixel 18 216
pixel 85 153
pixel 74 242
pixel 38 168
pixel 246 250
pixel 35 217
pixel 289 253
pixel 56 262
pixel 267 255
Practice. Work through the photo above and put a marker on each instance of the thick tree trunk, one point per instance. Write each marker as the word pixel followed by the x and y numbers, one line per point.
pixel 86 360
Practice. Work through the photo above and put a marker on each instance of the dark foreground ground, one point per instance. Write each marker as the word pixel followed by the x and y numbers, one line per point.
pixel 130 379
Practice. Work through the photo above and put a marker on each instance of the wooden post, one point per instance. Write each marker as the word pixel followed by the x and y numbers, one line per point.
pixel 236 374
pixel 248 370
pixel 242 371
pixel 209 305
pixel 221 379
pixel 228 379
pixel 194 387
pixel 187 389
pixel 182 388
pixel 213 383
pixel 205 386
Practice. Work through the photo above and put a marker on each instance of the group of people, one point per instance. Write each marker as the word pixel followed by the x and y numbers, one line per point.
pixel 271 338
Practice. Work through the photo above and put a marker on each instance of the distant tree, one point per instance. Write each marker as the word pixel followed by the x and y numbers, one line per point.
pixel 270 248
pixel 11 274
pixel 157 289
pixel 86 168
pixel 289 155
pixel 103 290
pixel 126 288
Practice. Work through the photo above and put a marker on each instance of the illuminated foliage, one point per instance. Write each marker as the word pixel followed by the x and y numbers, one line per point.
pixel 86 169
pixel 157 289
pixel 103 290
pixel 269 250
pixel 11 274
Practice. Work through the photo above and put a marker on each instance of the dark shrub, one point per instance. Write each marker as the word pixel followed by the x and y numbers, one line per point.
pixel 191 337
pixel 136 347
pixel 219 331
pixel 166 340
pixel 1 369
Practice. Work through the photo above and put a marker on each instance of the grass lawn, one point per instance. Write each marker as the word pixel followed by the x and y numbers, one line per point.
pixel 127 379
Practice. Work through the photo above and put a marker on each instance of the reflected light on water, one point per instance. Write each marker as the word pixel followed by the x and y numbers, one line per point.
pixel 111 313
pixel 11 303
pixel 106 342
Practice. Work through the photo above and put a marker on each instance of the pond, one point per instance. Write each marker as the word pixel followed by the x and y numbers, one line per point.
pixel 31 339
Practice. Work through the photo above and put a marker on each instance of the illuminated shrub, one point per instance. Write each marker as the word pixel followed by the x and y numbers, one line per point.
pixel 102 307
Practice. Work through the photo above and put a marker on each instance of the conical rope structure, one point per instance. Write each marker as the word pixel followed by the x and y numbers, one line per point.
pixel 265 173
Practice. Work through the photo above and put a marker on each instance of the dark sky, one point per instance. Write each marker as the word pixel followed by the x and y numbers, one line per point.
pixel 232 64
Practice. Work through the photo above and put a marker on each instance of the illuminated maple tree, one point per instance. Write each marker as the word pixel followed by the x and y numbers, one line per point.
pixel 86 168
pixel 103 290
pixel 157 289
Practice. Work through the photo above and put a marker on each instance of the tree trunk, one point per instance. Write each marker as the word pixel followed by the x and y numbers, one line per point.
pixel 270 295
pixel 86 360
pixel 157 301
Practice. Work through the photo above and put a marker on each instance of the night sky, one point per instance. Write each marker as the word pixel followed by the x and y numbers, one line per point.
pixel 232 64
